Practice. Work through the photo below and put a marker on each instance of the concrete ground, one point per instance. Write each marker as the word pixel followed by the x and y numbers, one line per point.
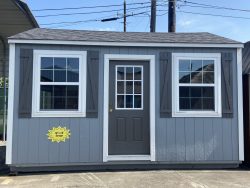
pixel 127 179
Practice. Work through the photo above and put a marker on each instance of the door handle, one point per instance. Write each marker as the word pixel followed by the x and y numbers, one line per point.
pixel 110 108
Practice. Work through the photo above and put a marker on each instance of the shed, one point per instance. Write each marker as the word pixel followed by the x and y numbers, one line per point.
pixel 95 99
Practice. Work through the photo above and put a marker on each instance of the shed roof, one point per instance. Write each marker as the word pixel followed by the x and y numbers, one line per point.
pixel 133 37
pixel 246 58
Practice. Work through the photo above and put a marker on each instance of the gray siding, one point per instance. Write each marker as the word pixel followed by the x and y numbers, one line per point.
pixel 177 139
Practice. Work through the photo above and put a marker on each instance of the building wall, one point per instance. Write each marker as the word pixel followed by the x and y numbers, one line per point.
pixel 177 139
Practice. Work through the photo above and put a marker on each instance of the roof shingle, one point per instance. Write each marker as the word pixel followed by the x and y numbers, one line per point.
pixel 108 36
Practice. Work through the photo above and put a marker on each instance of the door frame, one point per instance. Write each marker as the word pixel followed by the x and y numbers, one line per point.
pixel 106 156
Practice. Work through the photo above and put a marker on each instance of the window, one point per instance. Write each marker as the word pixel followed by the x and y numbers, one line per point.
pixel 196 85
pixel 129 87
pixel 59 87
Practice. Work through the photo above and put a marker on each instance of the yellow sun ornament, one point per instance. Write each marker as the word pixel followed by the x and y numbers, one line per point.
pixel 58 134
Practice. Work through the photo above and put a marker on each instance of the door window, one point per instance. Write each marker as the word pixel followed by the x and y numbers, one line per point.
pixel 129 87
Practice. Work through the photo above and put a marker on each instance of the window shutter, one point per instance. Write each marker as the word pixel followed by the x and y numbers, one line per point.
pixel 25 83
pixel 165 84
pixel 227 84
pixel 92 84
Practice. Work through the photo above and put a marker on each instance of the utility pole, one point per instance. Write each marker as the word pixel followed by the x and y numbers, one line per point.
pixel 153 16
pixel 124 17
pixel 171 16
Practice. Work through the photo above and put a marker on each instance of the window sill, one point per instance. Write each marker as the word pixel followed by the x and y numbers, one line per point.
pixel 196 114
pixel 58 114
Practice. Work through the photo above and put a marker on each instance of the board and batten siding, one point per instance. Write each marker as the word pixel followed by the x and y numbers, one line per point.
pixel 177 139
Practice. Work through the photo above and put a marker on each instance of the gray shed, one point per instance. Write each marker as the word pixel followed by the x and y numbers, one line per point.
pixel 94 99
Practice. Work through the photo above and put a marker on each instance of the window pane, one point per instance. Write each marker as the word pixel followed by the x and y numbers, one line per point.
pixel 208 104
pixel 184 91
pixel 46 75
pixel 72 91
pixel 208 92
pixel 73 63
pixel 59 91
pixel 72 76
pixel 120 73
pixel 129 73
pixel 59 63
pixel 137 73
pixel 129 87
pixel 196 103
pixel 137 87
pixel 196 77
pixel 59 97
pixel 72 103
pixel 196 91
pixel 46 63
pixel 184 103
pixel 137 101
pixel 208 77
pixel 196 65
pixel 46 97
pixel 120 101
pixel 208 65
pixel 60 76
pixel 59 103
pixel 129 101
pixel 120 87
pixel 184 65
pixel 184 77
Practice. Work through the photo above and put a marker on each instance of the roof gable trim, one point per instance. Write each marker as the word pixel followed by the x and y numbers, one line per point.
pixel 20 41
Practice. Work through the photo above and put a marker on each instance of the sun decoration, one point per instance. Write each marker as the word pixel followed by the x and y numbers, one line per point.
pixel 58 134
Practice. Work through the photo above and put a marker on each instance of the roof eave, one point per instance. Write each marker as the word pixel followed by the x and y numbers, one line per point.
pixel 135 44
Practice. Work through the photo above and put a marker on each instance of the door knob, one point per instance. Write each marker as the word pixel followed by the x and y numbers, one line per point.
pixel 110 108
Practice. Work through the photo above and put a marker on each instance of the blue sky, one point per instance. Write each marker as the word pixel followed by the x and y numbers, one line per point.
pixel 238 29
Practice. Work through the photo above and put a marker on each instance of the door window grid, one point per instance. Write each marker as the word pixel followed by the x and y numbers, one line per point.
pixel 129 87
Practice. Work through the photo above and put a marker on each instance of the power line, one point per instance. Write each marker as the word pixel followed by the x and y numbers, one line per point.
pixel 215 15
pixel 201 5
pixel 83 13
pixel 91 20
pixel 87 7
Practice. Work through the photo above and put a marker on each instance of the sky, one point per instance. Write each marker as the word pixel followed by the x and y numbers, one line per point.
pixel 186 21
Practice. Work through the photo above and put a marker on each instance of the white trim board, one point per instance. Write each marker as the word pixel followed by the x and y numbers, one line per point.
pixel 240 104
pixel 60 42
pixel 151 59
pixel 216 57
pixel 10 103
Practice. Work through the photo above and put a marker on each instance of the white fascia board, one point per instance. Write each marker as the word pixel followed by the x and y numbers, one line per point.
pixel 17 41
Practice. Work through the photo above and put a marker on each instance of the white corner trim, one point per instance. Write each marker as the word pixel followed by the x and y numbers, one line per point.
pixel 59 42
pixel 176 112
pixel 151 59
pixel 10 103
pixel 240 104
pixel 81 112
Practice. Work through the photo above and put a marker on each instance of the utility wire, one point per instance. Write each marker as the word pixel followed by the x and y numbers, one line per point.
pixel 83 13
pixel 213 6
pixel 87 7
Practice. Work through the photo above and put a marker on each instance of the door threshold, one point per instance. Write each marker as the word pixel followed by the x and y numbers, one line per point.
pixel 128 158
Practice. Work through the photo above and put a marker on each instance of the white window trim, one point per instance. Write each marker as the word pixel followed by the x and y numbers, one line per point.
pixel 176 112
pixel 81 112
pixel 141 108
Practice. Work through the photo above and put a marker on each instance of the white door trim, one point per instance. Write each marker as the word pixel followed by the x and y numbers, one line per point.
pixel 151 59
